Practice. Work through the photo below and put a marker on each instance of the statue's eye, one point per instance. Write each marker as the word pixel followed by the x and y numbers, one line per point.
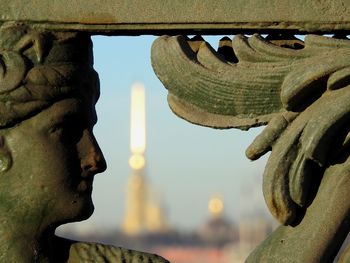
pixel 68 131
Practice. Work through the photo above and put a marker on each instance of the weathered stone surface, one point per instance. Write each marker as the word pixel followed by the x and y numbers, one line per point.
pixel 152 16
pixel 319 235
pixel 48 153
pixel 207 89
pixel 302 91
pixel 92 252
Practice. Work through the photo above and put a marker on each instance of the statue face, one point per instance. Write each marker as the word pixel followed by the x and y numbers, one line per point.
pixel 55 157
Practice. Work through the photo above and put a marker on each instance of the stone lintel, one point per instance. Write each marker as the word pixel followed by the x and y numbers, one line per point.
pixel 134 17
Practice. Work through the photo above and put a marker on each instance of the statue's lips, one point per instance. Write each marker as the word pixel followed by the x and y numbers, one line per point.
pixel 85 186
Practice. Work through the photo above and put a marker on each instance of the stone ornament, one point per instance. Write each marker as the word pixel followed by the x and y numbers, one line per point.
pixel 301 91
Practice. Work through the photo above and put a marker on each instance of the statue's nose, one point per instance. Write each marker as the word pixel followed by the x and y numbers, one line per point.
pixel 92 160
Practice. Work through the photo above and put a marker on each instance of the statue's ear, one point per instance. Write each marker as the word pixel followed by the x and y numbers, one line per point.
pixel 5 155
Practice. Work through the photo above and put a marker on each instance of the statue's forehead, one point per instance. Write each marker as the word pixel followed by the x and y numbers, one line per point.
pixel 71 107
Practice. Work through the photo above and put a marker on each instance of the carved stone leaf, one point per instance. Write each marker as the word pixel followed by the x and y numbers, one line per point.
pixel 91 252
pixel 303 95
pixel 306 142
pixel 208 90
pixel 327 66
pixel 12 70
pixel 15 52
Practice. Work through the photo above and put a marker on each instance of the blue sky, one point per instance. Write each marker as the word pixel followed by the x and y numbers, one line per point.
pixel 186 164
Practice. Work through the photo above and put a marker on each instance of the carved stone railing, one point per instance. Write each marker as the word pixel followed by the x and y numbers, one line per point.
pixel 299 89
pixel 153 17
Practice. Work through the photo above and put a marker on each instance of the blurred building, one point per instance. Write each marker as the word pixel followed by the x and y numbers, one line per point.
pixel 217 240
pixel 211 242
pixel 218 230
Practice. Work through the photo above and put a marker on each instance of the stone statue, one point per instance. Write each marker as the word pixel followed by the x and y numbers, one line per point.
pixel 48 153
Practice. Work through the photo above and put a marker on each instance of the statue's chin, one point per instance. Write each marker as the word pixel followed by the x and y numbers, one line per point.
pixel 86 210
pixel 81 211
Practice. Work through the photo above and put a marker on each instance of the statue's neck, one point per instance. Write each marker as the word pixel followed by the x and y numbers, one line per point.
pixel 19 244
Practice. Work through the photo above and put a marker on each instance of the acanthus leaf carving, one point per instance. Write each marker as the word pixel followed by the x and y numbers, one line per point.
pixel 268 83
pixel 301 90
pixel 266 80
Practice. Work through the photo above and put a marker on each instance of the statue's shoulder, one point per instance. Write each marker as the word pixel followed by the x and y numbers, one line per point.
pixel 94 252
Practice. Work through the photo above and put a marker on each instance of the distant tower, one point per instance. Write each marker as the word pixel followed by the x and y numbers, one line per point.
pixel 135 217
pixel 143 214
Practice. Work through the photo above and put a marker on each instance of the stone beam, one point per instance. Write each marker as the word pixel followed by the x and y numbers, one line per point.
pixel 134 17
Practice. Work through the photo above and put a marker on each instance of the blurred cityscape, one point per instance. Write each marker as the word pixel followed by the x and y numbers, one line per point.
pixel 218 240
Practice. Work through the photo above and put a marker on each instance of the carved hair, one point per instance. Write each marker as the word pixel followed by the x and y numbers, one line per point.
pixel 39 68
